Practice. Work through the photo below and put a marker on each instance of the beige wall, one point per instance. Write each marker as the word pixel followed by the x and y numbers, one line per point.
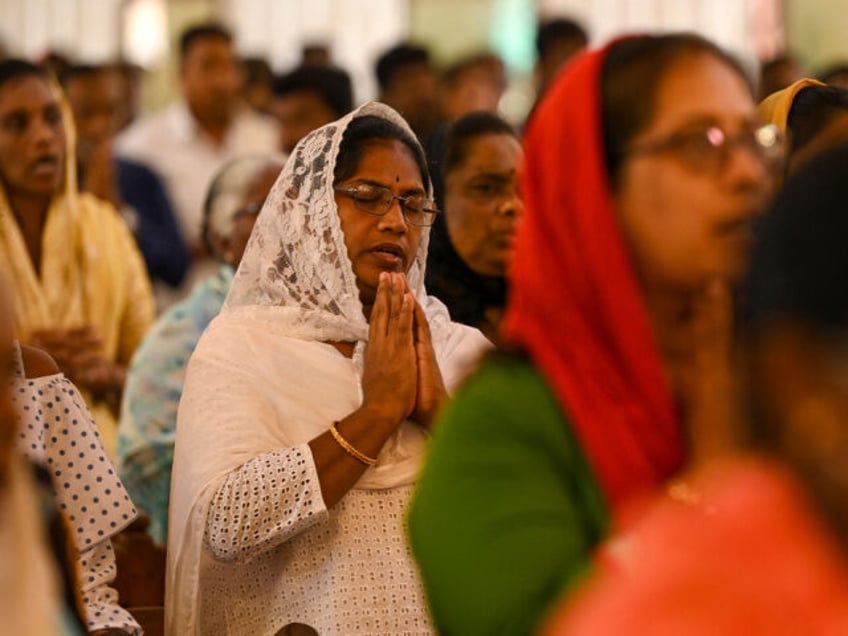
pixel 818 31
pixel 277 29
pixel 451 28
pixel 161 85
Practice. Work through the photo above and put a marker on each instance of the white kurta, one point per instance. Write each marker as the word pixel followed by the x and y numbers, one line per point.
pixel 255 546
pixel 251 545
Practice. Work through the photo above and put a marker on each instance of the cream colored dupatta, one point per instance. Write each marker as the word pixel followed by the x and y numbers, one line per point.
pixel 91 273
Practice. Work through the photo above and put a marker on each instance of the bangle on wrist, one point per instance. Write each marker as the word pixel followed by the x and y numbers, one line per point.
pixel 349 449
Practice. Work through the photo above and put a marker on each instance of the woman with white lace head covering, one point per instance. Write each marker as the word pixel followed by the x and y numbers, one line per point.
pixel 307 401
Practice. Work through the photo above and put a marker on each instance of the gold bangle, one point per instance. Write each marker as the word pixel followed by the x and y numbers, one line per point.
pixel 368 461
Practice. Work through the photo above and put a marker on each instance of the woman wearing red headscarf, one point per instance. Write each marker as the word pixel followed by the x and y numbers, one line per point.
pixel 645 168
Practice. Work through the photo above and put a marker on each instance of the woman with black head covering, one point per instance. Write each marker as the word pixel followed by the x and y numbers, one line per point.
pixel 476 183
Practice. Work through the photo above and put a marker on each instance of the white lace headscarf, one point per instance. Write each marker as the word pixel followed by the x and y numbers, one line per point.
pixel 296 272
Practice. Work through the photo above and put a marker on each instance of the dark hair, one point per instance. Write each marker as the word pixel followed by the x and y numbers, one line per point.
pixel 812 110
pixel 81 71
pixel 772 78
pixel 447 147
pixel 256 71
pixel 832 72
pixel 332 86
pixel 13 68
pixel 393 61
pixel 775 63
pixel 800 251
pixel 793 287
pixel 54 62
pixel 127 68
pixel 466 293
pixel 467 128
pixel 315 54
pixel 488 62
pixel 552 31
pixel 363 130
pixel 200 31
pixel 632 73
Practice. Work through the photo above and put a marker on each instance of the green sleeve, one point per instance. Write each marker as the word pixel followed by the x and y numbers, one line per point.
pixel 507 512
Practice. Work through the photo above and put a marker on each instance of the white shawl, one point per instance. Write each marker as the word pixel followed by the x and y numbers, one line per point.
pixel 261 378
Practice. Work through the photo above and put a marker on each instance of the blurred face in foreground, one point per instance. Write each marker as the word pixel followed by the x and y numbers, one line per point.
pixel 694 178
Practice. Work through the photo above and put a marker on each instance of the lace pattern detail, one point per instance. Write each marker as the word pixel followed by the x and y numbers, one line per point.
pixel 296 260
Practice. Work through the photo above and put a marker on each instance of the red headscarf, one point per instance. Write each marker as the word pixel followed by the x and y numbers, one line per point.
pixel 575 305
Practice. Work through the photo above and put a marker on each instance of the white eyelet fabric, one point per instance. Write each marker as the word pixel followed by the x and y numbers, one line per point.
pixel 267 501
pixel 359 549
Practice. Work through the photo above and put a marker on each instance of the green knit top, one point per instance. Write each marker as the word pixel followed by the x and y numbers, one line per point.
pixel 507 512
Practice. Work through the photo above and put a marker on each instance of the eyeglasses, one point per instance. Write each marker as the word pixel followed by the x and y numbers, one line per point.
pixel 417 209
pixel 708 149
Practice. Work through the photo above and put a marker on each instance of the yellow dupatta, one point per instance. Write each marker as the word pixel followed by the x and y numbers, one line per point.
pixel 91 273
pixel 775 108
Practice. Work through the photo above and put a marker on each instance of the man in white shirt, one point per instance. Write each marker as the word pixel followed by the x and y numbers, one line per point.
pixel 190 140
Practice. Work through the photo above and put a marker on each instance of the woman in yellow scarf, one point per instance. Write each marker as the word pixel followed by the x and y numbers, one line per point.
pixel 79 287
pixel 813 116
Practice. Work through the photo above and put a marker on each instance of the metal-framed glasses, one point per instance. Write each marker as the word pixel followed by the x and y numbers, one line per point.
pixel 708 148
pixel 418 209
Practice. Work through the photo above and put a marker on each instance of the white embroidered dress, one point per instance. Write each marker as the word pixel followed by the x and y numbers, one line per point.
pixel 252 547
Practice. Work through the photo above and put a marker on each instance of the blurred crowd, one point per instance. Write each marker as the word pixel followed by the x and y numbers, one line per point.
pixel 281 363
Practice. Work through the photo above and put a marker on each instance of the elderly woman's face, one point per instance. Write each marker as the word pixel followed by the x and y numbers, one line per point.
pixel 32 138
pixel 380 243
pixel 482 207
pixel 688 218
